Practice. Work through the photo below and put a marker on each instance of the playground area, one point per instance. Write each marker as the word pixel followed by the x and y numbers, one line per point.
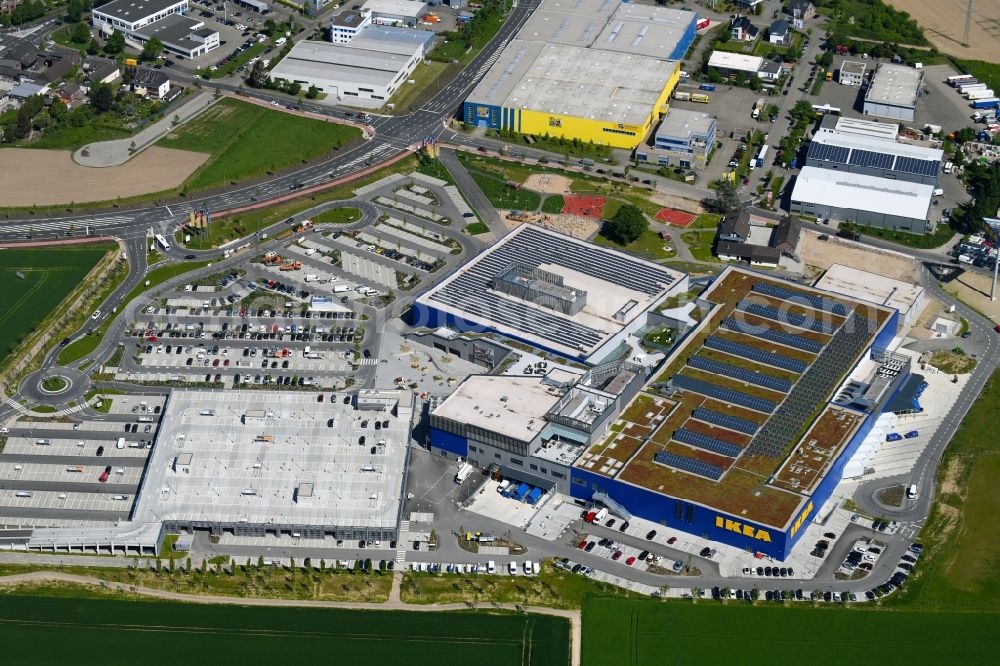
pixel 675 217
pixel 571 225
pixel 583 206
pixel 51 177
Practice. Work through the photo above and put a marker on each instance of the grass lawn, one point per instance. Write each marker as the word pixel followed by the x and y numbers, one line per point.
pixel 648 246
pixel 476 228
pixel 553 203
pixel 427 78
pixel 71 138
pixel 79 348
pixel 246 140
pixel 942 234
pixel 502 196
pixel 343 215
pixel 53 383
pixel 962 545
pixel 49 276
pixel 244 635
pixel 951 363
pixel 705 221
pixel 985 72
pixel 700 243
pixel 634 632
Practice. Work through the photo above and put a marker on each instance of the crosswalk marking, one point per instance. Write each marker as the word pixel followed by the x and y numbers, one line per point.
pixel 404 533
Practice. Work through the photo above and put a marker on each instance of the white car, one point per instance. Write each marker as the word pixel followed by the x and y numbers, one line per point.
pixel 97 314
pixel 4 430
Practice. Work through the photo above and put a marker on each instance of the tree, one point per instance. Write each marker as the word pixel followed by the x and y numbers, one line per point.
pixel 627 225
pixel 74 11
pixel 94 47
pixel 152 50
pixel 102 98
pixel 80 33
pixel 826 59
pixel 725 200
pixel 22 127
pixel 115 43
pixel 57 111
pixel 294 88
pixel 258 75
pixel 312 93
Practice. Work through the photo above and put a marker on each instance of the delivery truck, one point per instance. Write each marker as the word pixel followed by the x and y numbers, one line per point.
pixel 464 472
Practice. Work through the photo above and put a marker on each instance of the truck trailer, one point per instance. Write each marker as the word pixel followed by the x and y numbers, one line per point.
pixel 979 94
pixel 987 103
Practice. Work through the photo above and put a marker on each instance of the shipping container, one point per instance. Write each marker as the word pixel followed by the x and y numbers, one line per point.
pixel 710 87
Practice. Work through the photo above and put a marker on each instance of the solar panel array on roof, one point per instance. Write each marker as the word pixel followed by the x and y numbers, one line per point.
pixel 468 291
pixel 797 320
pixel 713 472
pixel 917 166
pixel 754 354
pixel 705 442
pixel 870 159
pixel 742 374
pixel 725 420
pixel 780 337
pixel 816 302
pixel 725 395
pixel 814 387
pixel 827 153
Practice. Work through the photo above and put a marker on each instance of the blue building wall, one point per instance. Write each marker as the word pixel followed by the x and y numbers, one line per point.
pixel 888 333
pixel 450 442
pixel 685 41
pixel 491 114
pixel 680 514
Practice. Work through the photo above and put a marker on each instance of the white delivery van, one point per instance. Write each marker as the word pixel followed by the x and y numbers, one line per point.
pixel 911 492
pixel 491 567
pixel 503 485
pixel 512 568
pixel 528 570
pixel 341 288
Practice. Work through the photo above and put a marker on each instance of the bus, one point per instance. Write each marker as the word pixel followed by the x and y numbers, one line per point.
pixel 162 242
pixel 703 99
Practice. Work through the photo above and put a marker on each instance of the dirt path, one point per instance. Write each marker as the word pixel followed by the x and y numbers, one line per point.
pixel 394 602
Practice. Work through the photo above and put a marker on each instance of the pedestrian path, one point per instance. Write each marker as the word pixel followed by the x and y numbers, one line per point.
pixel 404 535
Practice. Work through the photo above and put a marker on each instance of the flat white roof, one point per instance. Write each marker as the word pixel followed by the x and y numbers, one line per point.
pixel 896 85
pixel 735 61
pixel 869 128
pixel 574 81
pixel 135 10
pixel 250 451
pixel 871 287
pixel 408 8
pixel 840 189
pixel 511 406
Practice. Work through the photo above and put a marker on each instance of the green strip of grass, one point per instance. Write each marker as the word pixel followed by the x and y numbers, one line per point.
pixel 341 215
pixel 476 228
pixel 553 204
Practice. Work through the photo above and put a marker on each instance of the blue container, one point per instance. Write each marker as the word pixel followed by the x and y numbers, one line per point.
pixel 710 87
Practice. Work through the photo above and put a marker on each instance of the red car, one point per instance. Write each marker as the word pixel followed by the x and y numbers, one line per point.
pixel 582 544
pixel 617 555
pixel 589 518
pixel 103 478
pixel 997 328
pixel 672 540
pixel 630 561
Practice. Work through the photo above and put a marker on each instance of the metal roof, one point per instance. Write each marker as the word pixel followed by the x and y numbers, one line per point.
pixel 855 191
pixel 735 61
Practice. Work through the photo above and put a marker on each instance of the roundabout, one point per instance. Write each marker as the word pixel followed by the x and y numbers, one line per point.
pixel 54 386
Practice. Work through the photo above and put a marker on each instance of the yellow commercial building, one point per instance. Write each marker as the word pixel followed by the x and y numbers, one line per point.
pixel 610 98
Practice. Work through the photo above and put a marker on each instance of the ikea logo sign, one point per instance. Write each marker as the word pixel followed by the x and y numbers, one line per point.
pixel 740 528
pixel 803 517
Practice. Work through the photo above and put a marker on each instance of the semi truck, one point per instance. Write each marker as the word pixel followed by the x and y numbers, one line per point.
pixel 762 155
pixel 464 472
pixel 987 103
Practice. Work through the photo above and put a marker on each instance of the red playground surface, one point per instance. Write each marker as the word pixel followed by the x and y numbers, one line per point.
pixel 674 216
pixel 583 206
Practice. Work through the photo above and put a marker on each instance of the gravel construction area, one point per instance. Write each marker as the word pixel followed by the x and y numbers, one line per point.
pixel 51 177
pixel 943 22
pixel 819 255
pixel 571 225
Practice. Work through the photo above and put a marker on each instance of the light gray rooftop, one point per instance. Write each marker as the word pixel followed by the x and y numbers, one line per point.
pixel 853 67
pixel 894 84
pixel 573 81
pixel 352 62
pixel 174 30
pixel 684 123
pixel 133 10
pixel 255 455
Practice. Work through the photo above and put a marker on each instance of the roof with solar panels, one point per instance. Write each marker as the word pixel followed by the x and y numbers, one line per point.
pixel 742 416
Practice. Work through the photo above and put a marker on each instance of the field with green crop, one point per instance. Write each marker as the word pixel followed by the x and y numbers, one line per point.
pixel 49 275
pixel 634 632
pixel 247 140
pixel 111 630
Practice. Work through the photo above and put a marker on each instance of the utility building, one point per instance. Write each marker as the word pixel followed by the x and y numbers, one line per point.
pixel 893 92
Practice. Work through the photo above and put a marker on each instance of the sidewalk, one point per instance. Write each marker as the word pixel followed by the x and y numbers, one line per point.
pixel 117 152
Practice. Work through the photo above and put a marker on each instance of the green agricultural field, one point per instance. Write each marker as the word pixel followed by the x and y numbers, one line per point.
pixel 634 633
pixel 243 635
pixel 49 275
pixel 246 140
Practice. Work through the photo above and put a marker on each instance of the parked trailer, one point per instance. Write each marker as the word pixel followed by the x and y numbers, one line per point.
pixel 701 99
pixel 708 87
pixel 988 103
pixel 971 86
pixel 959 79
pixel 762 155
pixel 979 94
pixel 682 96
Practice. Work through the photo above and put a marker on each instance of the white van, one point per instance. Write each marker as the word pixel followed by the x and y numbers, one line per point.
pixel 512 568
pixel 911 492
pixel 491 567
pixel 503 485
pixel 527 568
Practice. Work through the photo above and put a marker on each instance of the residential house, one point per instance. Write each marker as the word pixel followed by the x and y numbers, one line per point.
pixel 102 70
pixel 770 71
pixel 70 94
pixel 785 237
pixel 735 228
pixel 748 5
pixel 15 48
pixel 800 9
pixel 743 30
pixel 7 6
pixel 60 64
pixel 780 33
pixel 151 82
